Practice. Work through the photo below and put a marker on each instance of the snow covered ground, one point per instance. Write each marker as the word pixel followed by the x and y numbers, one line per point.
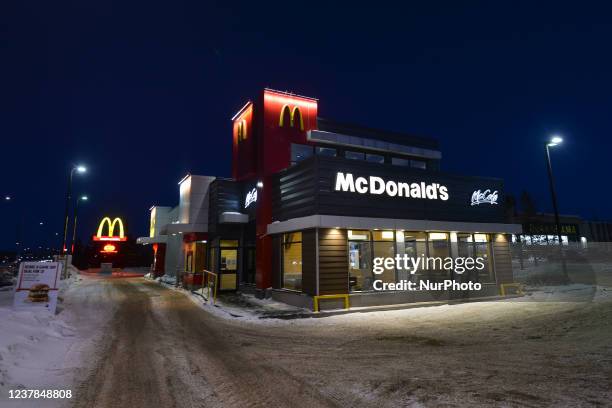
pixel 42 351
pixel 134 340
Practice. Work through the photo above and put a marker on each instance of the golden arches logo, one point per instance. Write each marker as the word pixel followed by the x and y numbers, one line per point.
pixel 242 130
pixel 111 230
pixel 295 117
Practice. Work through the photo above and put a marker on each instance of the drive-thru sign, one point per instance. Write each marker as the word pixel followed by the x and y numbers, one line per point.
pixel 37 285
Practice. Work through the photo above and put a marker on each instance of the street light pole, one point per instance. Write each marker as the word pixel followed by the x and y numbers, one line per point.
pixel 8 199
pixel 553 193
pixel 554 142
pixel 74 227
pixel 68 196
pixel 80 169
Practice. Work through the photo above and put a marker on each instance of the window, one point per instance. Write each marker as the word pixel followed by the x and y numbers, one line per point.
pixel 300 152
pixel 418 164
pixel 326 151
pixel 292 261
pixel 383 246
pixel 476 246
pixel 354 155
pixel 400 162
pixel 413 245
pixel 364 246
pixel 360 260
pixel 375 158
pixel 438 247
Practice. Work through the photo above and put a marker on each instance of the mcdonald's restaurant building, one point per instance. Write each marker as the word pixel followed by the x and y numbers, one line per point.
pixel 312 202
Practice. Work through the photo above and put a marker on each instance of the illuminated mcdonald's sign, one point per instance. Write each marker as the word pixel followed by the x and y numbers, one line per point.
pixel 111 230
pixel 109 249
pixel 295 117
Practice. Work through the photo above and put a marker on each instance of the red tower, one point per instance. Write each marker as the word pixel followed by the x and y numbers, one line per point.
pixel 262 135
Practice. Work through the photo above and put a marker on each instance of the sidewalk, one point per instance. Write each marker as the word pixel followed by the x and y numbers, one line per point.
pixel 248 307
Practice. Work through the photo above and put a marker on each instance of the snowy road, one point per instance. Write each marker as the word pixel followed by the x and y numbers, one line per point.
pixel 160 349
pixel 163 350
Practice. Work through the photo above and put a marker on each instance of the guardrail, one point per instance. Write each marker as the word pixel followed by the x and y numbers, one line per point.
pixel 209 285
pixel 517 286
pixel 317 298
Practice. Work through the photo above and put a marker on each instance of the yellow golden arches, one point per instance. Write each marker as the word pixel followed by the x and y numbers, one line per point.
pixel 111 228
pixel 294 112
pixel 294 115
pixel 285 111
pixel 242 130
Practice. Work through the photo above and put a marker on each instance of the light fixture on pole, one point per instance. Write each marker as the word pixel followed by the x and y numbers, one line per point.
pixel 78 169
pixel 74 227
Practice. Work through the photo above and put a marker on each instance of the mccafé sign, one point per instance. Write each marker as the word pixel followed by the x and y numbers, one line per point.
pixel 379 186
pixel 250 198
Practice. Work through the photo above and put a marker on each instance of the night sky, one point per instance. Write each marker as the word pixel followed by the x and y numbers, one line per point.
pixel 143 93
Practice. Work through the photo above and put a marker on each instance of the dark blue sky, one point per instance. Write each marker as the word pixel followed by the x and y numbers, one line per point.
pixel 144 92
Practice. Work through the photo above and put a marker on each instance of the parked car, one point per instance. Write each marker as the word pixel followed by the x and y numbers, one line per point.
pixel 7 277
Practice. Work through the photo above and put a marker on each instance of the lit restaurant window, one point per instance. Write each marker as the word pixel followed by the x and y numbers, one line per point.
pixel 292 261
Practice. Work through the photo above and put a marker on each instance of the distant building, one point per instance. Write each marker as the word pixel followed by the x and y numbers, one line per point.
pixel 541 228
pixel 597 231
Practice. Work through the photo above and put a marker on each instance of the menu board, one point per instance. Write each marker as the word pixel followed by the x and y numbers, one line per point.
pixel 37 285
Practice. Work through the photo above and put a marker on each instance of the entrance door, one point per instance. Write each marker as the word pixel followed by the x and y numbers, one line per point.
pixel 228 264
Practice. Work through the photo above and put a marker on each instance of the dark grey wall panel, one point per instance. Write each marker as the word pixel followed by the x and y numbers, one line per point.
pixel 309 262
pixel 225 195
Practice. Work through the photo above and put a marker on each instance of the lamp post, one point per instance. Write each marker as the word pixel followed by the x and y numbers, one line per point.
pixel 554 141
pixel 9 199
pixel 79 169
pixel 76 209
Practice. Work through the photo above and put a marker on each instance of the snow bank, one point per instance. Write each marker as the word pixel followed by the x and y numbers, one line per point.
pixel 30 342
pixel 170 280
pixel 34 349
pixel 269 312
pixel 39 350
